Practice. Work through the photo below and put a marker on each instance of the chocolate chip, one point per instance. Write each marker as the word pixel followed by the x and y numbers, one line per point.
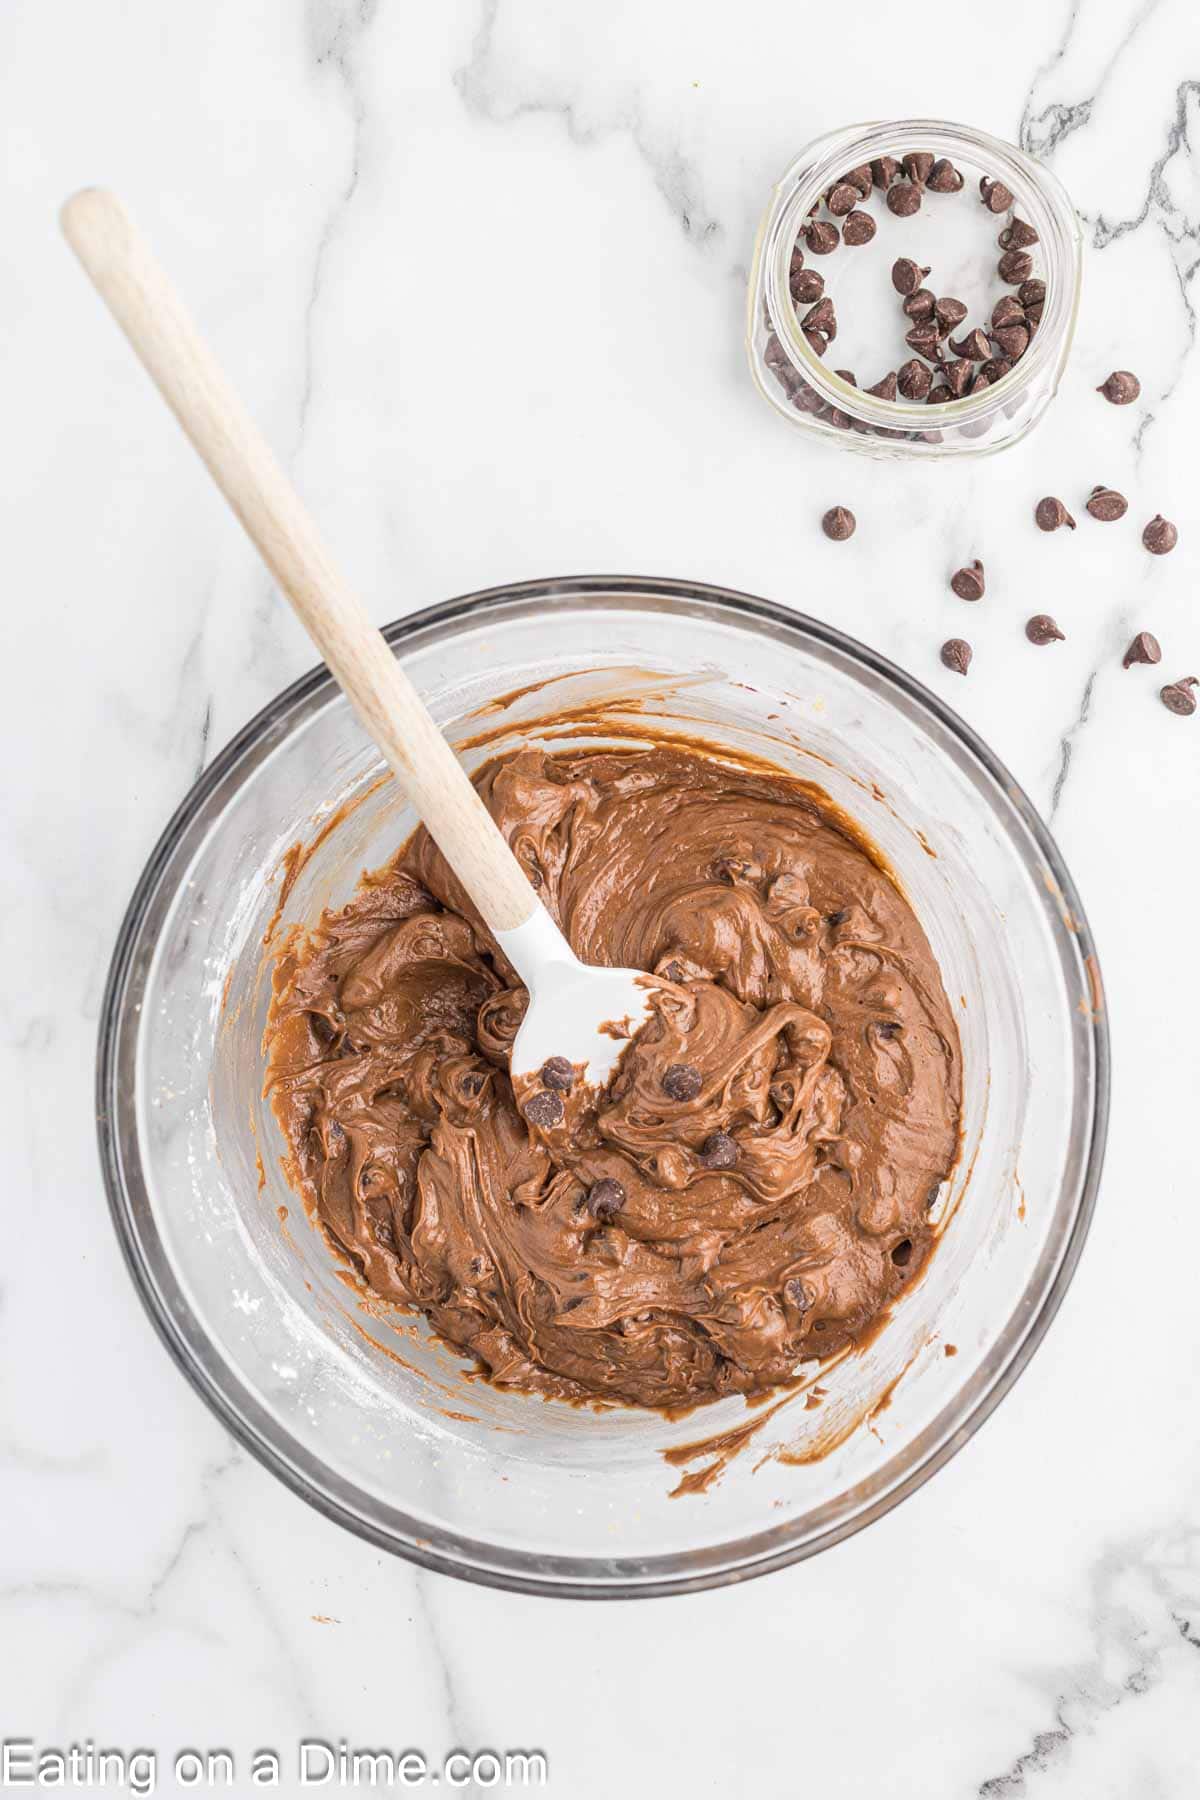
pixel 995 196
pixel 925 341
pixel 974 346
pixel 720 1151
pixel 956 655
pixel 902 1254
pixel 839 524
pixel 944 178
pixel 885 389
pixel 1160 536
pixel 1121 387
pixel 938 396
pixel 605 1198
pixel 1051 513
pixel 980 382
pixel 904 199
pixel 860 178
pixel 996 368
pixel 544 1109
pixel 848 376
pixel 822 237
pixel 958 377
pixel 949 313
pixel 473 1084
pixel 919 305
pixel 884 170
pixel 1015 266
pixel 968 583
pixel 1017 236
pixel 858 228
pixel 1106 504
pixel 557 1073
pixel 843 198
pixel 914 380
pixel 1007 311
pixel 682 1081
pixel 817 342
pixel 796 1295
pixel 917 166
pixel 907 276
pixel 839 917
pixel 1031 293
pixel 1013 341
pixel 807 285
pixel 1033 315
pixel 1145 648
pixel 1178 697
pixel 821 317
pixel 1041 629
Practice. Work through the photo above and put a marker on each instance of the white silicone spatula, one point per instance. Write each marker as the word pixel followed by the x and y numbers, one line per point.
pixel 570 1003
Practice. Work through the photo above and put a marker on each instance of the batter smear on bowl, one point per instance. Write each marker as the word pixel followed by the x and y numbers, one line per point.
pixel 752 1189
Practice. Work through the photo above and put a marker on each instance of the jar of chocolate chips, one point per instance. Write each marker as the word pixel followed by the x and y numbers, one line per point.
pixel 914 290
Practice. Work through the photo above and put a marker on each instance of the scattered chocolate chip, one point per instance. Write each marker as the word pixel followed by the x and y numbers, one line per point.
pixel 839 524
pixel 907 275
pixel 1051 513
pixel 817 341
pixel 544 1109
pixel 1015 266
pixel 842 199
pixel 885 389
pixel 925 341
pixel 839 917
pixel 1160 536
pixel 919 305
pixel 682 1081
pixel 995 196
pixel 821 237
pixel 860 178
pixel 1178 697
pixel 958 377
pixel 904 199
pixel 996 368
pixel 848 376
pixel 1013 340
pixel 720 1151
pixel 944 178
pixel 938 396
pixel 914 380
pixel 821 317
pixel 974 346
pixel 858 228
pixel 949 314
pixel 558 1074
pixel 1007 311
pixel 956 654
pixel 807 285
pixel 605 1198
pixel 1145 648
pixel 980 381
pixel 917 165
pixel 968 583
pixel 1041 629
pixel 1017 236
pixel 1121 387
pixel 1031 293
pixel 1033 315
pixel 884 170
pixel 1106 504
pixel 902 1254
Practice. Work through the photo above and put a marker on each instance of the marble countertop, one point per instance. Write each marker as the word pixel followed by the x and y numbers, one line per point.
pixel 376 211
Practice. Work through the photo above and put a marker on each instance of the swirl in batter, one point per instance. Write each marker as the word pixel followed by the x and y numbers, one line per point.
pixel 753 1188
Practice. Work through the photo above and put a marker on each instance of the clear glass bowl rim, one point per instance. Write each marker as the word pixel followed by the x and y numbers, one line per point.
pixel 242 1414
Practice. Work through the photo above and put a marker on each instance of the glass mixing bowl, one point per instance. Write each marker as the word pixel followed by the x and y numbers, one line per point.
pixel 359 1410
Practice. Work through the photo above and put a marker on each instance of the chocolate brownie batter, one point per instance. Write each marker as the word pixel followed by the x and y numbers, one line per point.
pixel 754 1186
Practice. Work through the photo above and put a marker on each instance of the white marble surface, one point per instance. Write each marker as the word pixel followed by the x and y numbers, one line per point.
pixel 379 211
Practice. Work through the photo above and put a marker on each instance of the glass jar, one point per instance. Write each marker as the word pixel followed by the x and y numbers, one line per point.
pixel 808 391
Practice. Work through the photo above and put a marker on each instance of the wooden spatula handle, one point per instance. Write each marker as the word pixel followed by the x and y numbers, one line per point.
pixel 154 319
